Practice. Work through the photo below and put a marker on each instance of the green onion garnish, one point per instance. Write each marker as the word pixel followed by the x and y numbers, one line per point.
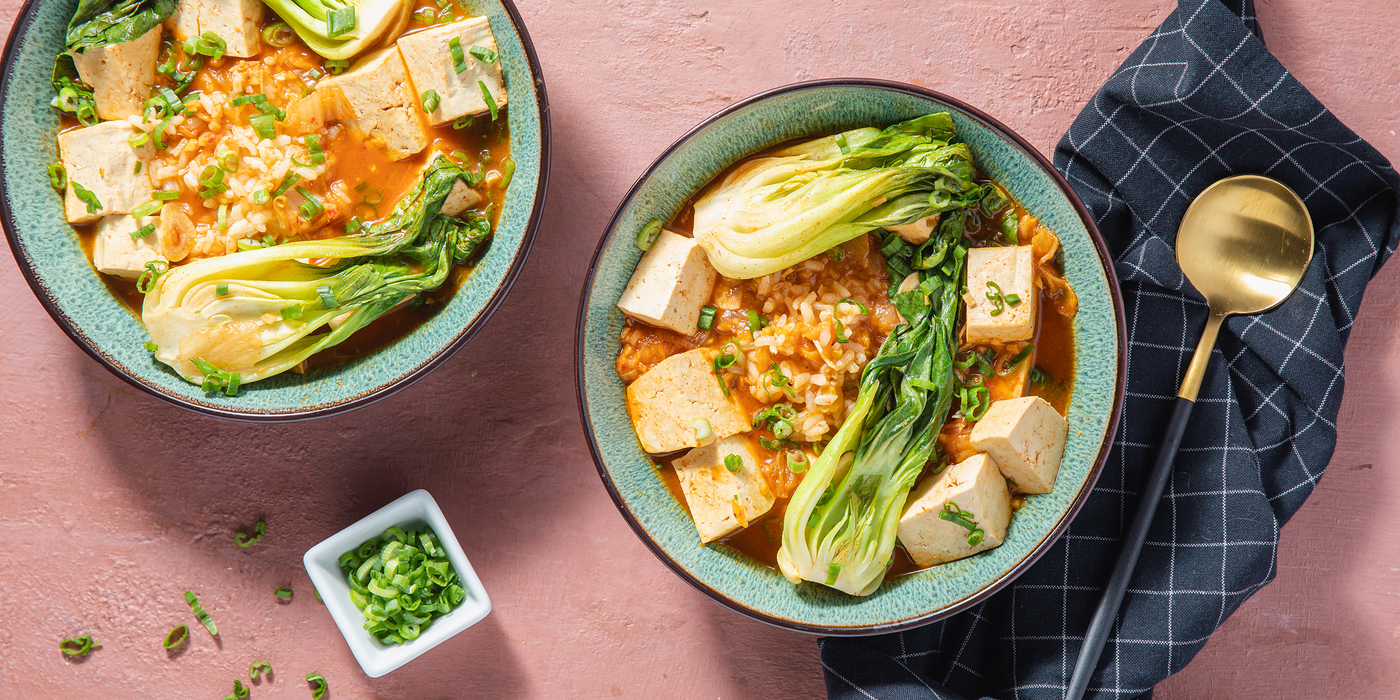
pixel 264 125
pixel 291 312
pixel 778 379
pixel 756 322
pixel 58 176
pixel 318 685
pixel 327 297
pixel 838 253
pixel 199 613
pixel 707 318
pixel 646 238
pixel 313 147
pixel 459 59
pixel 401 581
pixel 207 44
pixel 486 96
pixel 278 34
pixel 430 101
pixel 260 196
pixel 733 462
pixel 1000 301
pixel 239 692
pixel 425 15
pixel 796 460
pixel 832 572
pixel 483 54
pixel 136 169
pixel 953 514
pixel 841 144
pixel 259 668
pixel 337 67
pixel 139 140
pixel 220 290
pixel 311 208
pixel 154 269
pixel 228 160
pixel 341 21
pixel 1017 359
pixel 142 232
pixel 973 400
pixel 165 195
pixel 86 196
pixel 283 593
pixel 863 310
pixel 260 527
pixel 146 209
pixel 723 362
pixel 702 429
pixel 78 646
pixel 177 636
pixel 286 184
pixel 216 380
pixel 463 122
pixel 150 347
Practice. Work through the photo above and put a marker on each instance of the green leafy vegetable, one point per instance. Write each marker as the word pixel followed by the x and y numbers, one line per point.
pixel 387 262
pixel 840 524
pixel 401 581
pixel 339 29
pixel 98 23
pixel 774 212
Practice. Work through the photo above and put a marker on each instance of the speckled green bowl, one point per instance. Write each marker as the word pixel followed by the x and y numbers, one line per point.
pixel 809 109
pixel 48 251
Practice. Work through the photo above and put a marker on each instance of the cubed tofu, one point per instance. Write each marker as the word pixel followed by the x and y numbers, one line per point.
pixel 976 489
pixel 430 65
pixel 672 282
pixel 386 112
pixel 917 232
pixel 1026 437
pixel 460 199
pixel 722 501
pixel 101 159
pixel 666 401
pixel 121 75
pixel 237 22
pixel 1013 270
pixel 115 252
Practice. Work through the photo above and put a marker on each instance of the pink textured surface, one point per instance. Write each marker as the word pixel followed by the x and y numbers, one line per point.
pixel 112 503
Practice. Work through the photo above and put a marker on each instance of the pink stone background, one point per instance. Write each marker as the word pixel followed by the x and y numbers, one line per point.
pixel 113 503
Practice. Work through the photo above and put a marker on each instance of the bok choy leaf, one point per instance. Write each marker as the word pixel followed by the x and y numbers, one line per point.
pixel 259 312
pixel 774 212
pixel 100 23
pixel 840 526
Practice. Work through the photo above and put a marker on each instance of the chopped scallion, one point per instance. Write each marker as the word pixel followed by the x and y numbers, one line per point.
pixel 199 613
pixel 165 195
pixel 283 593
pixel 86 197
pixel 259 668
pixel 58 176
pixel 264 125
pixel 78 646
pixel 702 429
pixel 146 209
pixel 278 34
pixel 707 318
pixel 646 238
pixel 337 67
pixel 488 99
pixel 430 101
pixel 318 685
pixel 312 207
pixel 142 232
pixel 733 462
pixel 176 637
pixel 459 58
pixel 327 297
pixel 260 527
pixel 483 54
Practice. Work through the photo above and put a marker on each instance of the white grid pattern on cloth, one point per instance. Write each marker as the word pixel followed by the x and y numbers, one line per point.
pixel 1201 99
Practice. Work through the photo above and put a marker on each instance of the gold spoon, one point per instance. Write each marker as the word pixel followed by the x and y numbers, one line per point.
pixel 1244 244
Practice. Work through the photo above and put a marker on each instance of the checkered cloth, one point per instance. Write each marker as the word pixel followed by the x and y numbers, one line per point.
pixel 1200 100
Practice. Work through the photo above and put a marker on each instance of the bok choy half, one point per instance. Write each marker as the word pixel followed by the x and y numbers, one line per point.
pixel 779 210
pixel 841 523
pixel 252 314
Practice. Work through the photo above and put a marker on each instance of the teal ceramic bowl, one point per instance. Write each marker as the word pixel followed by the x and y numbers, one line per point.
pixel 812 109
pixel 47 249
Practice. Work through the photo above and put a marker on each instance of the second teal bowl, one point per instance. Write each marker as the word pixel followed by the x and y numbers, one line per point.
pixel 805 110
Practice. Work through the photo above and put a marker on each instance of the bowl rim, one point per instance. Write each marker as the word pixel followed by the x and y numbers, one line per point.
pixel 25 17
pixel 1105 261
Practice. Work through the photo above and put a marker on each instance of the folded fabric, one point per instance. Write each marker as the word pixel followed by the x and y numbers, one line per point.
pixel 1200 100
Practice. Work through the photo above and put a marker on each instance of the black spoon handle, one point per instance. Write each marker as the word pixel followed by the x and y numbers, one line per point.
pixel 1102 625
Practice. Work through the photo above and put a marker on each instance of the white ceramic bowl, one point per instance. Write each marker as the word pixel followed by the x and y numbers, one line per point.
pixel 414 509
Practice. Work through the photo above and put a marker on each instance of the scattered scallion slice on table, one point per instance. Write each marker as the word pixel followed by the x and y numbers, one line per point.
pixel 318 685
pixel 259 668
pixel 78 646
pixel 176 637
pixel 260 527
pixel 239 692
pixel 200 614
pixel 401 581
pixel 283 593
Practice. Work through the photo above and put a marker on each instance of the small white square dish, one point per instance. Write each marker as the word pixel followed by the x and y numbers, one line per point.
pixel 412 510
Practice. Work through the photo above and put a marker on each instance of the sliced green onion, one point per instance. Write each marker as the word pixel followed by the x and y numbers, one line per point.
pixel 223 217
pixel 291 312
pixel 796 460
pixel 264 125
pixel 425 15
pixel 430 101
pixel 176 637
pixel 207 44
pixel 707 318
pixel 459 59
pixel 702 429
pixel 841 144
pixel 139 140
pixel 86 197
pixel 287 183
pixel 327 297
pixel 259 668
pixel 863 310
pixel 150 347
pixel 1017 359
pixel 337 67
pixel 778 379
pixel 486 97
pixel 1012 299
pixel 646 238
pixel 78 646
pixel 228 160
pixel 283 593
pixel 999 300
pixel 260 196
pixel 165 195
pixel 136 169
pixel 311 208
pixel 239 692
pixel 313 147
pixel 220 290
pixel 154 269
pixel 260 527
pixel 507 172
pixel 58 176
pixel 463 122
pixel 142 232
pixel 146 209
pixel 399 586
pixel 340 22
pixel 318 685
pixel 199 613
pixel 483 54
pixel 832 572
pixel 733 462
pixel 278 34
pixel 838 253
pixel 756 322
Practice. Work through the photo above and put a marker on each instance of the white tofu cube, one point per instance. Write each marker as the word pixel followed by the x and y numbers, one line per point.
pixel 429 60
pixel 121 75
pixel 672 282
pixel 722 501
pixel 1026 437
pixel 115 252
pixel 917 232
pixel 977 491
pixel 460 199
pixel 100 159
pixel 386 112
pixel 666 401
pixel 237 22
pixel 1013 270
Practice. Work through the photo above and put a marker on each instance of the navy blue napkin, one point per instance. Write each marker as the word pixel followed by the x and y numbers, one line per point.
pixel 1200 100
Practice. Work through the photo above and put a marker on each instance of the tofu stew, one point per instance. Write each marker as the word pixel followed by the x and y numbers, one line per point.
pixel 850 357
pixel 281 186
